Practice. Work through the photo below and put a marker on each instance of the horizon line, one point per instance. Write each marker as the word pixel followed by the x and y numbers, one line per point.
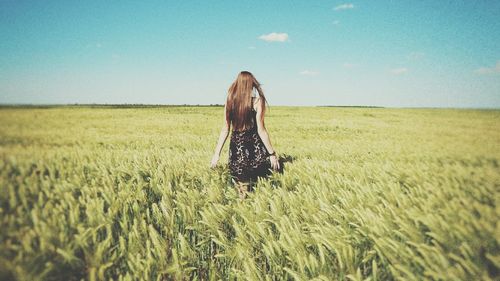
pixel 139 105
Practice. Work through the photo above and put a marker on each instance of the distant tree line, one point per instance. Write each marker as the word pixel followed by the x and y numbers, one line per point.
pixel 95 105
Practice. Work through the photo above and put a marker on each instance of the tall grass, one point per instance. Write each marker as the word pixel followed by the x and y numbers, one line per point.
pixel 127 194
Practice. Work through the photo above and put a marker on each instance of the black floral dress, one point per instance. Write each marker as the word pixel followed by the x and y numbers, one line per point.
pixel 247 154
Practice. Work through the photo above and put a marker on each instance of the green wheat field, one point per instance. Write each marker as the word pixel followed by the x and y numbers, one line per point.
pixel 127 193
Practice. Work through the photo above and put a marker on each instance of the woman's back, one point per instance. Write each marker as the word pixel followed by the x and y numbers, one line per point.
pixel 253 114
pixel 250 146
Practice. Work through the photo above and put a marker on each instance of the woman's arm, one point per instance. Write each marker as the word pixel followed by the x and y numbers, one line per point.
pixel 224 133
pixel 261 129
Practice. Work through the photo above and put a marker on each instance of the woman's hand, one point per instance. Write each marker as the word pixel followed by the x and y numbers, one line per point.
pixel 214 161
pixel 275 164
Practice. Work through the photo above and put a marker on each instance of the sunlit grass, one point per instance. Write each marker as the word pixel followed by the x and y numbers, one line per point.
pixel 127 194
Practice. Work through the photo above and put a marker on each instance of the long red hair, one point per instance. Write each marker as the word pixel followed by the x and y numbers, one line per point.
pixel 239 101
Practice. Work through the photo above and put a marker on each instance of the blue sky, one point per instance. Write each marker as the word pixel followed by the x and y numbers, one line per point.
pixel 384 53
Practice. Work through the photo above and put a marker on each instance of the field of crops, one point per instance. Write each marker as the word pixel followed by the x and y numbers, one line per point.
pixel 367 194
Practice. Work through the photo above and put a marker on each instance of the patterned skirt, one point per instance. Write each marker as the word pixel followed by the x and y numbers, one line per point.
pixel 247 156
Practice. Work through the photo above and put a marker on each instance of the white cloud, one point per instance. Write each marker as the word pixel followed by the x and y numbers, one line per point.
pixel 309 72
pixel 399 71
pixel 489 70
pixel 336 22
pixel 349 65
pixel 251 47
pixel 274 37
pixel 344 7
pixel 416 55
pixel 94 45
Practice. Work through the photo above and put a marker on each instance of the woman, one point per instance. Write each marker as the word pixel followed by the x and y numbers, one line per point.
pixel 250 146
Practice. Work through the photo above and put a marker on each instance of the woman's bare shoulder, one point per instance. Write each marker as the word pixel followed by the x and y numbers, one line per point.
pixel 255 102
pixel 255 93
